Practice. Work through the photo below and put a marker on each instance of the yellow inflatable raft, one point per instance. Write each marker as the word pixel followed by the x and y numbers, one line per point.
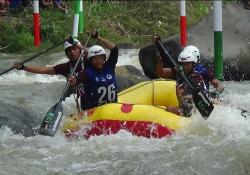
pixel 140 110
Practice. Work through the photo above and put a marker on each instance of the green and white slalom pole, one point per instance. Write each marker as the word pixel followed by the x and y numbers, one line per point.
pixel 76 19
pixel 81 17
pixel 218 39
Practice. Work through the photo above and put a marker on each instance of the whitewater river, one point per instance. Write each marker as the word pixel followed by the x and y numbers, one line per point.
pixel 217 146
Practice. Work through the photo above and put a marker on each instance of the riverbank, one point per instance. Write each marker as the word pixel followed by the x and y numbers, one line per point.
pixel 127 23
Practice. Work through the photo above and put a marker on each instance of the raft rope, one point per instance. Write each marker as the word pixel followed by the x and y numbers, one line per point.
pixel 153 100
pixel 143 85
pixel 153 104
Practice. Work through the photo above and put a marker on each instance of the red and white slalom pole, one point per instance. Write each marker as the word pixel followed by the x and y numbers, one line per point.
pixel 183 23
pixel 36 23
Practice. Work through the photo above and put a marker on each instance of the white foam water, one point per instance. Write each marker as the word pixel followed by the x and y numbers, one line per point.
pixel 219 145
pixel 22 77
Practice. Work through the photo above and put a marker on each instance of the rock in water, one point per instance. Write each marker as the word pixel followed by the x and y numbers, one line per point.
pixel 18 120
pixel 127 76
pixel 147 56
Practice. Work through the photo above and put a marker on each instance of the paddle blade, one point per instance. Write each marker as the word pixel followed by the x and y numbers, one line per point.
pixel 203 104
pixel 52 120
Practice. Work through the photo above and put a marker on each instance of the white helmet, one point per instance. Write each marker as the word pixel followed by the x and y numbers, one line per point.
pixel 68 44
pixel 187 56
pixel 194 50
pixel 96 50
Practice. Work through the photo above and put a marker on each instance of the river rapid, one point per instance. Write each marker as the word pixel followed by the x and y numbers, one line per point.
pixel 219 145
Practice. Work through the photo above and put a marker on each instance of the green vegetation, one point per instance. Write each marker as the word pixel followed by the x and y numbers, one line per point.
pixel 123 22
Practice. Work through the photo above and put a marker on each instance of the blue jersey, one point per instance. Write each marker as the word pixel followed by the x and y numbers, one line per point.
pixel 100 86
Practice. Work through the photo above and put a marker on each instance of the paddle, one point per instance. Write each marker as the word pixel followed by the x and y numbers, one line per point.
pixel 33 57
pixel 201 101
pixel 53 117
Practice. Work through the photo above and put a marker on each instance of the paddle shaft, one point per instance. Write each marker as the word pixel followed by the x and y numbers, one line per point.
pixel 174 63
pixel 73 71
pixel 33 57
pixel 53 117
pixel 201 101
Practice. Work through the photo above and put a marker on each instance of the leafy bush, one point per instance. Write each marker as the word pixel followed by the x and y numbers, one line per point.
pixel 130 22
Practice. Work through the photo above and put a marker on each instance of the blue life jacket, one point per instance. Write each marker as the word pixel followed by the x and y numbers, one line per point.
pixel 203 72
pixel 101 87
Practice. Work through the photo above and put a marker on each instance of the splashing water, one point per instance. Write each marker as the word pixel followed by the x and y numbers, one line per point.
pixel 219 145
pixel 27 78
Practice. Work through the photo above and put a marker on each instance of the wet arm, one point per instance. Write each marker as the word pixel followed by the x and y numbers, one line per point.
pixel 162 72
pixel 217 84
pixel 105 43
pixel 174 109
pixel 39 70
